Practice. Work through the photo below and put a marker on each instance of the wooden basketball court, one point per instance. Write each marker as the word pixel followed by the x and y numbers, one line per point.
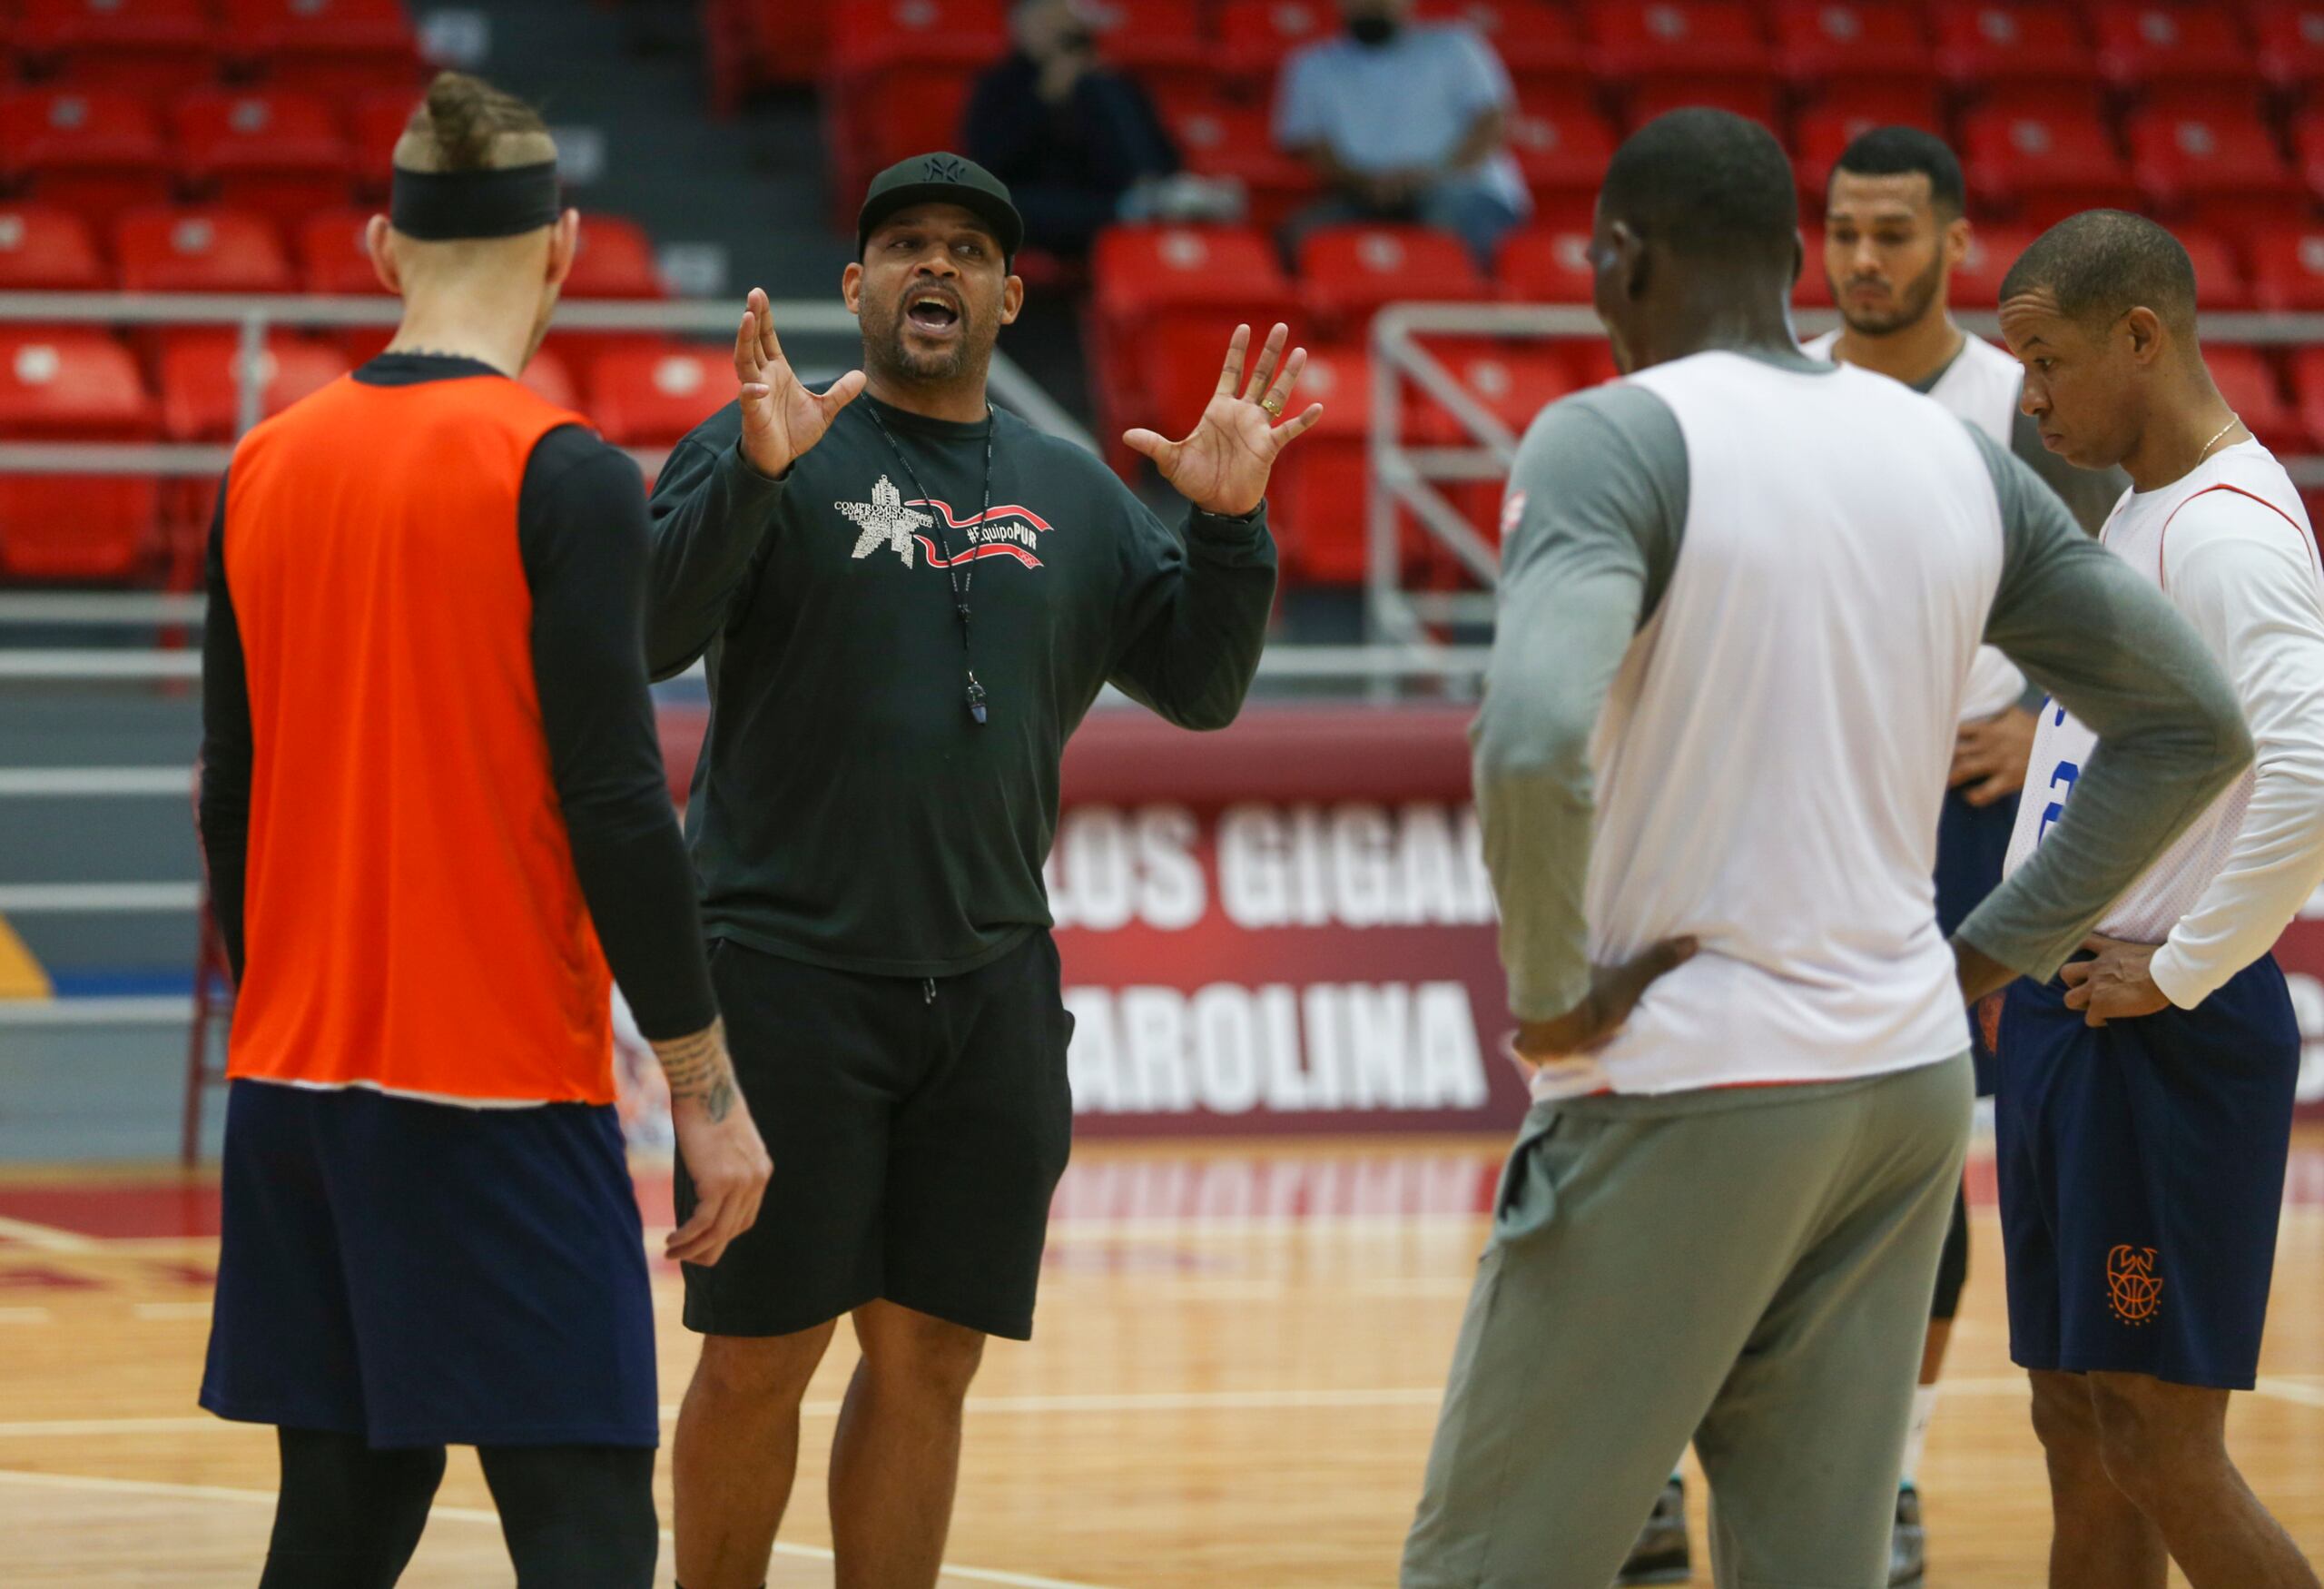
pixel 1241 1347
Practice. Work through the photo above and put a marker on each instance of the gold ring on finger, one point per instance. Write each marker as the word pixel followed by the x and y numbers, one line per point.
pixel 1273 405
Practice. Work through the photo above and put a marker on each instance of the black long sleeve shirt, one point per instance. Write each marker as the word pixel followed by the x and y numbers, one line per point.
pixel 847 811
pixel 581 529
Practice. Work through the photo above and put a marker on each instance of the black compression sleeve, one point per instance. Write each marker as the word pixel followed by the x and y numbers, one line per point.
pixel 223 812
pixel 581 525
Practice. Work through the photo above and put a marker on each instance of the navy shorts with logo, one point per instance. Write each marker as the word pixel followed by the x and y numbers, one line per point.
pixel 2141 1168
pixel 423 1274
pixel 1972 843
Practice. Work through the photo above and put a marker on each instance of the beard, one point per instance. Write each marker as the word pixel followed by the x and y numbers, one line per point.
pixel 1912 304
pixel 887 349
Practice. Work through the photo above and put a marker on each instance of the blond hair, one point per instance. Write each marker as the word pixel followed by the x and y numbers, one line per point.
pixel 466 124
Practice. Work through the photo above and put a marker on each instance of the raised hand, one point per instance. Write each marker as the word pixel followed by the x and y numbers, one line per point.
pixel 1222 465
pixel 1614 992
pixel 780 418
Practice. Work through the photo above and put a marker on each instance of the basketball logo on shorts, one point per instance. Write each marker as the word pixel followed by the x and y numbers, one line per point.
pixel 2133 1289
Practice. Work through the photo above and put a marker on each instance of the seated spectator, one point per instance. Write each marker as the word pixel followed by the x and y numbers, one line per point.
pixel 1404 122
pixel 1079 145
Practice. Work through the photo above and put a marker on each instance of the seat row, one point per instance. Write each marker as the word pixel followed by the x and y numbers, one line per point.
pixel 221 249
pixel 163 45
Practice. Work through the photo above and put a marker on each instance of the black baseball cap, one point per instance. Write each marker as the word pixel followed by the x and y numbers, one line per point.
pixel 942 179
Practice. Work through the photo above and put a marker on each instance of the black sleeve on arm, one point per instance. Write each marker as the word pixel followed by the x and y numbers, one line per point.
pixel 1193 615
pixel 581 525
pixel 223 811
pixel 710 514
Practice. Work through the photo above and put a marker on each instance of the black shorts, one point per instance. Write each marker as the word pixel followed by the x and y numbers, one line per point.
pixel 918 1130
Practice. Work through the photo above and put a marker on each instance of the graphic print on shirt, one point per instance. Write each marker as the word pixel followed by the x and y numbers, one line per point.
pixel 889 521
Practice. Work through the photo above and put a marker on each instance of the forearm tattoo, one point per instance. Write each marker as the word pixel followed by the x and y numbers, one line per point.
pixel 697 1067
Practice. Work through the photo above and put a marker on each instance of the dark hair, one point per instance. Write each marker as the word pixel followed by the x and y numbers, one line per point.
pixel 1903 152
pixel 2102 263
pixel 466 124
pixel 1704 183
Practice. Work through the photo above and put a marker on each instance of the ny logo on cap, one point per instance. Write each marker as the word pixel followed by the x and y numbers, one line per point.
pixel 940 170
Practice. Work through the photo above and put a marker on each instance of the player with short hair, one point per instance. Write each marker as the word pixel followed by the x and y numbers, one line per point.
pixel 2145 1098
pixel 1895 228
pixel 435 817
pixel 907 601
pixel 1742 593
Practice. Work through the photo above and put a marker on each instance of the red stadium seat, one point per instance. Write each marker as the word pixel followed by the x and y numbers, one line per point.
pixel 1348 272
pixel 1255 35
pixel 377 121
pixel 1219 137
pixel 1751 97
pixel 279 150
pixel 1822 136
pixel 2162 42
pixel 1320 488
pixel 45 250
pixel 332 256
pixel 551 377
pixel 201 249
pixel 616 259
pixel 1536 41
pixel 1820 40
pixel 95 150
pixel 2024 39
pixel 1513 383
pixel 2184 160
pixel 1976 280
pixel 1813 289
pixel 1157 41
pixel 2308 390
pixel 79 386
pixel 899 75
pixel 1538 266
pixel 2288 269
pixel 2048 164
pixel 1165 300
pixel 2291 40
pixel 201 396
pixel 1719 38
pixel 2220 281
pixel 1561 141
pixel 1880 101
pixel 651 397
pixel 326 46
pixel 2247 381
pixel 154 46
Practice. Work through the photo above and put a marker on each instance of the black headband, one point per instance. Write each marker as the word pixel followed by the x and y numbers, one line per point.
pixel 441 206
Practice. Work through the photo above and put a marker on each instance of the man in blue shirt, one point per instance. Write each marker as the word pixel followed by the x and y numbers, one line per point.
pixel 1404 122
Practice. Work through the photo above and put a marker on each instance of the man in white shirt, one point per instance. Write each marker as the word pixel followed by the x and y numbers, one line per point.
pixel 1742 591
pixel 1404 121
pixel 2143 1107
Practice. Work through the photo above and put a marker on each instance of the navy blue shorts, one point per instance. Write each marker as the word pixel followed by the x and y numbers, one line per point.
pixel 2141 1168
pixel 421 1274
pixel 1972 843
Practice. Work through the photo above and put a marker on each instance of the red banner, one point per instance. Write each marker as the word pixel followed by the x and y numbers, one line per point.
pixel 1287 927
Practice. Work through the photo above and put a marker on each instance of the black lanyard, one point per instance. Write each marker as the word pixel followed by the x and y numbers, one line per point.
pixel 959 581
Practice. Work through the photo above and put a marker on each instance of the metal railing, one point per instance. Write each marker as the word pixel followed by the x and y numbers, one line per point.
pixel 1405 478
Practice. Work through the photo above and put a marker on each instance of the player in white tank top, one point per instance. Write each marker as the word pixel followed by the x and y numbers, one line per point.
pixel 2144 1143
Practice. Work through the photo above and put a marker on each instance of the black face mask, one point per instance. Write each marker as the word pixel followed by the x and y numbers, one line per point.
pixel 1372 32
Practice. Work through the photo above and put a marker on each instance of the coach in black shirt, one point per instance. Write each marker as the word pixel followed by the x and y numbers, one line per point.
pixel 907 601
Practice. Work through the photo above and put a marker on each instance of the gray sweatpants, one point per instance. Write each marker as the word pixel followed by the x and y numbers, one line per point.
pixel 1749 1267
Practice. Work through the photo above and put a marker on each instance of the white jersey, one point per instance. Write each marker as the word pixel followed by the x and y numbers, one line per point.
pixel 1843 545
pixel 1981 386
pixel 2230 543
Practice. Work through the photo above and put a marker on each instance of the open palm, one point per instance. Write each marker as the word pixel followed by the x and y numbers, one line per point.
pixel 1222 465
pixel 780 418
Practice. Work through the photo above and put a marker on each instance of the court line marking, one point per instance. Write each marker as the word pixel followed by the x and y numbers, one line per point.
pixel 47 1237
pixel 24 1316
pixel 157 1489
pixel 171 1309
